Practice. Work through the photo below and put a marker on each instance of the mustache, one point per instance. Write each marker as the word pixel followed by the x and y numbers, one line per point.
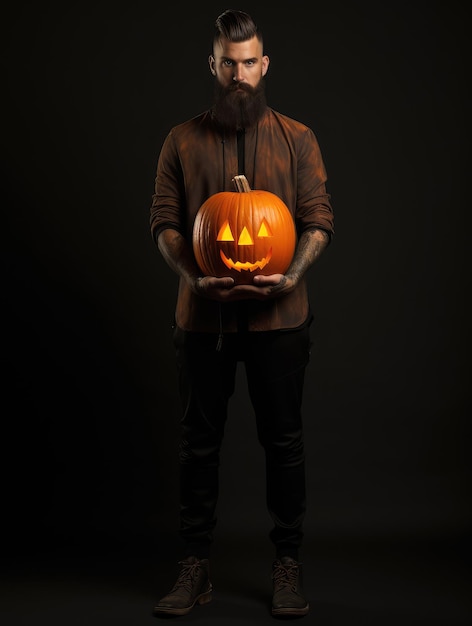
pixel 240 85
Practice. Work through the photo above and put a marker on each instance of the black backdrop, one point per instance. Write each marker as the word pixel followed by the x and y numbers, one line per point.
pixel 90 413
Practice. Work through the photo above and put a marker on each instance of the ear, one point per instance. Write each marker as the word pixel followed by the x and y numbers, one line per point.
pixel 211 63
pixel 265 64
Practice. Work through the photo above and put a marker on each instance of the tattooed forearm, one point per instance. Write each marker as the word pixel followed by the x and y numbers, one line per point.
pixel 310 245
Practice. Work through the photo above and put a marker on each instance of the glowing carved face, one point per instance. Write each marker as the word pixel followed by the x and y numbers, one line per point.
pixel 245 239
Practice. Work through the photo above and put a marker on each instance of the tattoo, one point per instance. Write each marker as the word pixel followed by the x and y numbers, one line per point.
pixel 310 245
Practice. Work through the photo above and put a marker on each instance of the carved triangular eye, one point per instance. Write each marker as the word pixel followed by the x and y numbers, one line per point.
pixel 264 230
pixel 245 238
pixel 225 233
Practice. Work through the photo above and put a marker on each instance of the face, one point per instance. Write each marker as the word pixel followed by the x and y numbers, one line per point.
pixel 241 62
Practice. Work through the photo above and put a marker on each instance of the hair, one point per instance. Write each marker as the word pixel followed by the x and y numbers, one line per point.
pixel 235 26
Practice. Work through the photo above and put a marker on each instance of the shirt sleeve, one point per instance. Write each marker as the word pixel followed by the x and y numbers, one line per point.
pixel 314 210
pixel 168 199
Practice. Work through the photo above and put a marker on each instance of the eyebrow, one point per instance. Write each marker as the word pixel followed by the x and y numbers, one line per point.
pixel 253 59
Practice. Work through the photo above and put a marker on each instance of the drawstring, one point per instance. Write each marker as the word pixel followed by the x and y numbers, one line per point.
pixel 255 157
pixel 223 141
pixel 219 344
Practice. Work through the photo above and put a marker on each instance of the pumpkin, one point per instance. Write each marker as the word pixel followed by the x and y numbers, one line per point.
pixel 243 233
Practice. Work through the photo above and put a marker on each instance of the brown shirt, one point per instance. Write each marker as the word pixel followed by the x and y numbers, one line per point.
pixel 197 160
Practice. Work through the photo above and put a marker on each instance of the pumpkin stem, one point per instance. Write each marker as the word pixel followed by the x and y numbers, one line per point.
pixel 241 183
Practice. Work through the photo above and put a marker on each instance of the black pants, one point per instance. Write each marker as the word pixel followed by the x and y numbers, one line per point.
pixel 275 364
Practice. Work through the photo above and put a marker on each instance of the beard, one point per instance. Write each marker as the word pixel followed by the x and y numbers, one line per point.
pixel 235 109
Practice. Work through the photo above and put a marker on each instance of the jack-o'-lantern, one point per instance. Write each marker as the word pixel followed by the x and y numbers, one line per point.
pixel 243 233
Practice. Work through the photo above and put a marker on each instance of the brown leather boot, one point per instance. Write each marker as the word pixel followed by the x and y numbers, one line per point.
pixel 193 586
pixel 288 599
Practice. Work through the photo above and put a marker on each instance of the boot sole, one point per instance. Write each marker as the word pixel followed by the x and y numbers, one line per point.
pixel 290 611
pixel 203 598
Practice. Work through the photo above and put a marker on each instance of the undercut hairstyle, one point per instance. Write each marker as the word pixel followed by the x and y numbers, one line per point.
pixel 235 26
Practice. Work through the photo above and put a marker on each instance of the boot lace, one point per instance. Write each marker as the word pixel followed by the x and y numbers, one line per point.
pixel 285 576
pixel 187 576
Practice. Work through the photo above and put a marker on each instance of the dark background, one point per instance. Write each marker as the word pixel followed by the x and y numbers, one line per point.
pixel 90 417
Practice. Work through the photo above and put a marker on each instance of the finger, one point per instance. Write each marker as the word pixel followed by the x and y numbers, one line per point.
pixel 273 279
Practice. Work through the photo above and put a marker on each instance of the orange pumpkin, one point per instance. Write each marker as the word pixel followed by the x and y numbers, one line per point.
pixel 243 233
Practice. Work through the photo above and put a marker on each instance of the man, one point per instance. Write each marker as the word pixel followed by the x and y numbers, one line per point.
pixel 264 324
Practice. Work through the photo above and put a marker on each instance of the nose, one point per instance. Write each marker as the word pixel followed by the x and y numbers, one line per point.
pixel 238 74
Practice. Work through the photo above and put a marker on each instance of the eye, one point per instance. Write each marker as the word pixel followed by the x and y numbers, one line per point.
pixel 245 238
pixel 227 63
pixel 264 230
pixel 225 233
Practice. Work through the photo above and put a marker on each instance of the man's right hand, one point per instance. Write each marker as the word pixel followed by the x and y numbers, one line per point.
pixel 213 287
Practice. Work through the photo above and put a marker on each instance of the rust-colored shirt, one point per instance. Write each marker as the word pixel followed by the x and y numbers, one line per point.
pixel 282 155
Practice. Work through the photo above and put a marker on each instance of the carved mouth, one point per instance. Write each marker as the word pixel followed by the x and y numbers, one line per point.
pixel 247 265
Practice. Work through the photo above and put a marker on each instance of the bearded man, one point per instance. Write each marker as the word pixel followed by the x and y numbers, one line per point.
pixel 264 324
